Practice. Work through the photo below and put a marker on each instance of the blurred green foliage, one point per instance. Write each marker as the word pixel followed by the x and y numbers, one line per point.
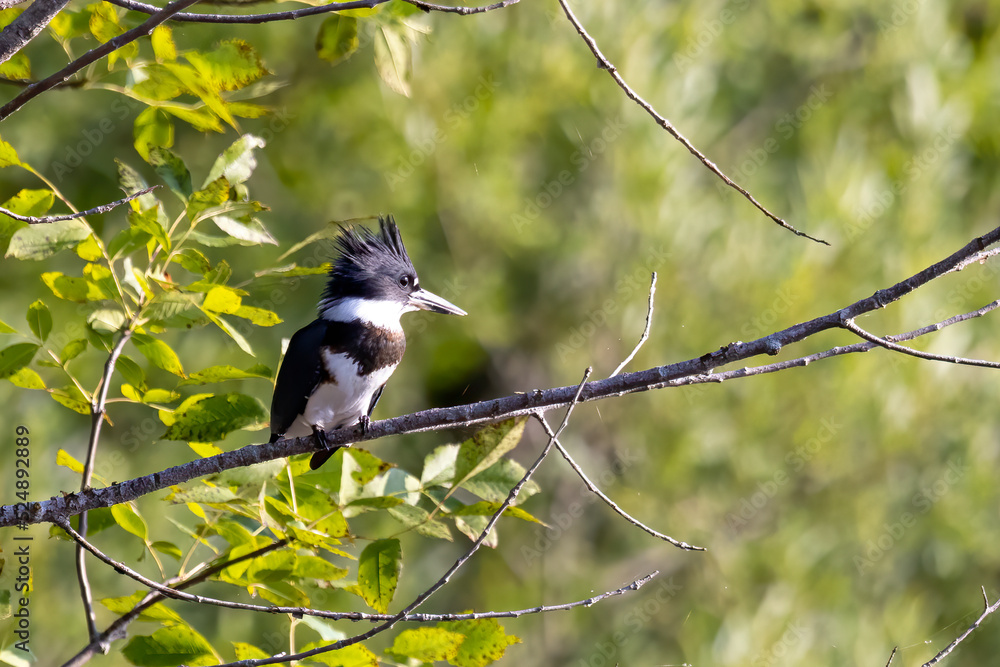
pixel 847 507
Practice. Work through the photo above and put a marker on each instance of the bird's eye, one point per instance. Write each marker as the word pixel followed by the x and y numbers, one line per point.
pixel 405 281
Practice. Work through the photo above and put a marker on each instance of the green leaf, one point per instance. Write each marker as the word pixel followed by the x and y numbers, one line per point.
pixel 211 194
pixel 355 655
pixel 152 128
pixel 172 645
pixel 487 508
pixel 39 319
pixel 16 357
pixel 426 644
pixel 155 612
pixel 128 518
pixel 252 232
pixel 168 548
pixel 209 417
pixel 172 170
pixel 261 317
pixel 18 68
pixel 495 482
pixel 485 641
pixel 44 240
pixel 163 43
pixel 8 157
pixel 378 573
pixel 131 181
pixel 314 567
pixel 194 261
pixel 25 202
pixel 337 39
pixel 201 119
pixel 246 651
pixel 66 287
pixel 25 378
pixel 225 372
pixel 237 162
pixel 106 320
pixel 222 299
pixel 73 349
pixel 158 353
pixel 487 447
pixel 71 397
pixel 233 65
pixel 419 520
pixel 393 59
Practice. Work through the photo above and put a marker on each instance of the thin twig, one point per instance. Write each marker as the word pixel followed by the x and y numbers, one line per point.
pixel 420 599
pixel 97 419
pixel 103 208
pixel 696 370
pixel 645 332
pixel 254 19
pixel 605 64
pixel 891 656
pixel 610 503
pixel 851 326
pixel 92 56
pixel 990 608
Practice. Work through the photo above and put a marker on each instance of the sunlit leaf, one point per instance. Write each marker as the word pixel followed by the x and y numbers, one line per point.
pixel 337 39
pixel 378 573
pixel 172 645
pixel 42 241
pixel 225 372
pixel 237 162
pixel 159 354
pixel 128 518
pixel 209 418
pixel 172 170
pixel 152 128
pixel 485 641
pixel 234 64
pixel 393 58
pixel 487 447
pixel 163 43
pixel 426 644
pixel 39 319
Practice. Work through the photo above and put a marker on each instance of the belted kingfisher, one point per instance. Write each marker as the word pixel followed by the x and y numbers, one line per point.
pixel 336 368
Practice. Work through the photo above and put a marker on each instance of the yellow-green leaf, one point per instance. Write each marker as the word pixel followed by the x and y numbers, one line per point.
pixel 66 460
pixel 233 65
pixel 79 290
pixel 128 518
pixel 39 319
pixel 163 43
pixel 171 645
pixel 8 157
pixel 42 241
pixel 337 39
pixel 426 644
pixel 378 573
pixel 209 418
pixel 159 353
pixel 152 127
pixel 485 641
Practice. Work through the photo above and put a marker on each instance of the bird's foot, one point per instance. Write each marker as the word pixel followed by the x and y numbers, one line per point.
pixel 320 436
pixel 365 422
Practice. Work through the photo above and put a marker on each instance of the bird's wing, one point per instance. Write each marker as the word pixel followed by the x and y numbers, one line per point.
pixel 378 395
pixel 298 377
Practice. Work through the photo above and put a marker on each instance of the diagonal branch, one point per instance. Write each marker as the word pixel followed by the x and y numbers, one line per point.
pixel 696 370
pixel 92 56
pixel 606 65
pixel 851 326
pixel 23 29
pixel 989 609
pixel 293 14
pixel 610 503
pixel 103 208
pixel 645 332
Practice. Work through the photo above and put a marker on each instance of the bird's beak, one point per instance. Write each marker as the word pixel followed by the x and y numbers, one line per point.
pixel 425 300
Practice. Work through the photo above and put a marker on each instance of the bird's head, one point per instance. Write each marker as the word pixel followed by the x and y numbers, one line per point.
pixel 374 280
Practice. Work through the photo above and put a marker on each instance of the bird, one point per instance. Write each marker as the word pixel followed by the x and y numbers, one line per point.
pixel 335 368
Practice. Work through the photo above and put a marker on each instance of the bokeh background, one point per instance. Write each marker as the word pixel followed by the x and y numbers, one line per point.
pixel 847 507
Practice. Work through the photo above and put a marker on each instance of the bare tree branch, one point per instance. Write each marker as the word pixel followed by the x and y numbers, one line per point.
pixel 605 64
pixel 144 28
pixel 696 370
pixel 850 325
pixel 989 609
pixel 97 419
pixel 610 503
pixel 103 208
pixel 23 29
pixel 645 332
pixel 145 8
